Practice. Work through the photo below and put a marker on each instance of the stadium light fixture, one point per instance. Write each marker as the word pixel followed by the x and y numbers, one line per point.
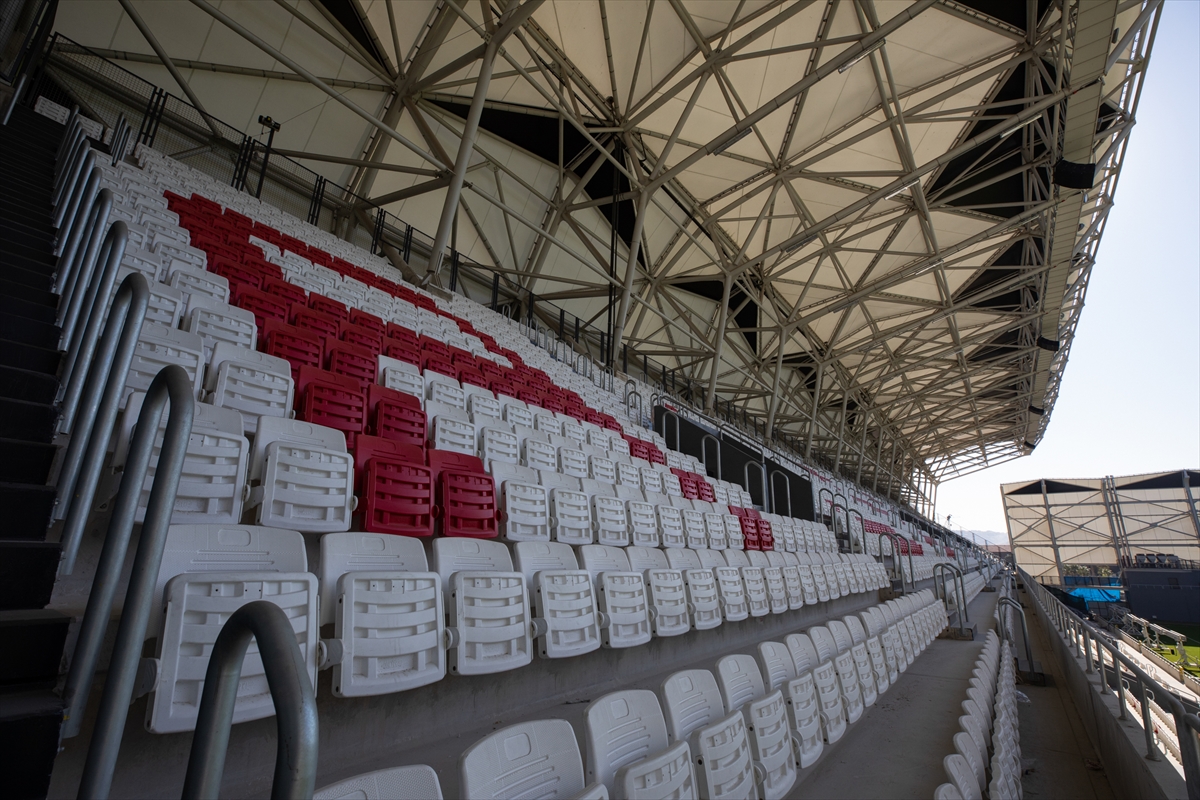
pixel 901 188
pixel 1014 128
pixel 861 56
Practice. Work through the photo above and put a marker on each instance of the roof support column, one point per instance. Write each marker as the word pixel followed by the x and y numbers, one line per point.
pixel 710 399
pixel 775 385
pixel 166 62
pixel 878 461
pixel 466 146
pixel 837 459
pixel 812 425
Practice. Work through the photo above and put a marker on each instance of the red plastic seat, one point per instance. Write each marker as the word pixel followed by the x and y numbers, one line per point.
pixel 435 363
pixel 766 539
pixel 363 337
pixel 401 351
pixel 472 377
pixel 467 504
pixel 501 388
pixel 527 396
pixel 349 359
pixel 335 401
pixel 394 487
pixel 284 290
pixel 366 320
pixel 328 305
pixel 316 321
pixel 297 346
pixel 263 305
pixel 396 416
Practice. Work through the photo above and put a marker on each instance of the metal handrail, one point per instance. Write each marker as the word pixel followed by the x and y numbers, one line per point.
pixel 704 453
pixel 787 485
pixel 171 384
pixel 76 271
pixel 1008 601
pixel 820 510
pixel 291 690
pixel 668 414
pixel 897 565
pixel 1072 628
pixel 76 206
pixel 76 165
pixel 763 476
pixel 862 526
pixel 960 590
pixel 833 507
pixel 98 404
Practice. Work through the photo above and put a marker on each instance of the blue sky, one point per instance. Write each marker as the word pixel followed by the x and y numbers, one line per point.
pixel 1130 398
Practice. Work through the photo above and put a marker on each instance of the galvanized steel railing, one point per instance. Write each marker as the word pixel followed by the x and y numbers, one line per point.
pixel 1137 692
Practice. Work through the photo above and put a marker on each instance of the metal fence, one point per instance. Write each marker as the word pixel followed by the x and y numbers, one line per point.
pixel 1169 728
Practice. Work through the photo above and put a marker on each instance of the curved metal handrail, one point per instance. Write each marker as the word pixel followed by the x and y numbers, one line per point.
pixel 897 565
pixel 1008 601
pixel 668 414
pixel 959 586
pixel 171 384
pixel 77 204
pixel 98 404
pixel 292 692
pixel 821 501
pixel 704 453
pixel 862 526
pixel 834 506
pixel 77 271
pixel 787 485
pixel 763 476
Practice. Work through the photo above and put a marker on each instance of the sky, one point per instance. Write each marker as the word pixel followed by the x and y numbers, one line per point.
pixel 1130 397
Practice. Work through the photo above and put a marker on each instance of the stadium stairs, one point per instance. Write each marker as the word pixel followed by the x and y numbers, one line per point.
pixel 33 637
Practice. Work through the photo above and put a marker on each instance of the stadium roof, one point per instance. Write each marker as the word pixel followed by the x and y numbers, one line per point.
pixel 841 210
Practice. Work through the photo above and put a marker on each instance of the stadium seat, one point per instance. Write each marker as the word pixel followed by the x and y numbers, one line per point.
pixel 529 759
pixel 623 599
pixel 628 749
pixel 719 742
pixel 567 619
pixel 765 713
pixel 417 782
pixel 301 477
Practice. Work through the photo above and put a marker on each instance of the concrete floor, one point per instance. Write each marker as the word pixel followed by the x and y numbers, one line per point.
pixel 1059 759
pixel 896 749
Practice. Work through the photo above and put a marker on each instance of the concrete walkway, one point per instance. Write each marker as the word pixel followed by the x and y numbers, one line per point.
pixel 1059 759
pixel 896 749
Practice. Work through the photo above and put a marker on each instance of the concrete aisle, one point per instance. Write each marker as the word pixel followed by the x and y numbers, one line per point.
pixel 896 749
pixel 1059 759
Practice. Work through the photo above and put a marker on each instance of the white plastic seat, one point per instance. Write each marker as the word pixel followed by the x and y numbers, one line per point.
pixel 539 455
pixel 388 614
pixel 876 667
pixel 208 572
pixel 159 346
pixel 757 599
pixel 628 750
pixel 487 606
pixel 570 509
pixel 695 713
pixel 195 282
pixel 305 477
pixel 800 695
pixel 624 601
pixel 498 444
pixel 214 468
pixel 733 532
pixel 483 407
pixel 704 598
pixel 668 595
pixel 652 480
pixel 829 698
pixel 670 522
pixel 694 529
pixel 715 524
pixel 417 782
pixel 857 650
pixel 444 389
pixel 215 322
pixel 252 383
pixel 843 664
pixel 773 577
pixel 609 517
pixel 453 432
pixel 627 474
pixel 564 597
pixel 538 759
pixel 643 523
pixel 959 771
pixel 766 717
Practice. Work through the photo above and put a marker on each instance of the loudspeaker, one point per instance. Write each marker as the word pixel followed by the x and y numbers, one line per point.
pixel 1070 175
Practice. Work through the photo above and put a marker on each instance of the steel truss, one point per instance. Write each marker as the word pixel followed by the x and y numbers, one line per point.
pixel 868 303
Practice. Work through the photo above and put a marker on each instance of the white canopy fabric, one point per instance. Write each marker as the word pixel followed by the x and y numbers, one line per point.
pixel 871 184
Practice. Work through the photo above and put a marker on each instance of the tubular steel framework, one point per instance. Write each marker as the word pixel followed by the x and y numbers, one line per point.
pixel 867 226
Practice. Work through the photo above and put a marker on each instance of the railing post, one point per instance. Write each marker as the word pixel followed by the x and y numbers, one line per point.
pixel 1087 651
pixel 99 402
pixel 1121 700
pixel 1148 722
pixel 171 384
pixel 77 272
pixel 291 691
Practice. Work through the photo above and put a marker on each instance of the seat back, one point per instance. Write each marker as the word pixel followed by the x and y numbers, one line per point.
pixel 364 552
pixel 740 680
pixel 691 700
pixel 530 759
pixel 776 663
pixel 416 782
pixel 622 728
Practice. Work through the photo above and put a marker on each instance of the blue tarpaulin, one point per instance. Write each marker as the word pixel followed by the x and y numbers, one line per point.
pixel 1093 595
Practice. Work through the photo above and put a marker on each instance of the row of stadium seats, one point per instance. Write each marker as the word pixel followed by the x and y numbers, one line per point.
pixel 406 614
pixel 988 725
pixel 745 729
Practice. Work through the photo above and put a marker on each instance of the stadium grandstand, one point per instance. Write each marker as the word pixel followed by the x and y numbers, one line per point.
pixel 549 399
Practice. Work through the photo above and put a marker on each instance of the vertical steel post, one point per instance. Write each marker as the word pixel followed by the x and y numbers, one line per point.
pixel 172 384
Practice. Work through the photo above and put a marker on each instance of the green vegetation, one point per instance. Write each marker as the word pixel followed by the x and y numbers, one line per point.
pixel 1168 651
